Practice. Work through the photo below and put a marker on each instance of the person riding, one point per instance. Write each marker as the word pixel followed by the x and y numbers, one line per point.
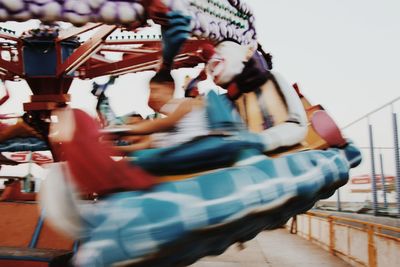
pixel 183 119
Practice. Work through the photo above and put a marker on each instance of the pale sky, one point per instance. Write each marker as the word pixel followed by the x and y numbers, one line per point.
pixel 345 55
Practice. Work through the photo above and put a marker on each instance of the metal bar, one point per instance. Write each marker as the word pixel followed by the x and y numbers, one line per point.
pixel 396 159
pixel 371 247
pixel 133 50
pixel 326 215
pixel 25 258
pixel 81 54
pixel 348 241
pixel 122 65
pixel 370 113
pixel 58 49
pixel 338 202
pixel 383 178
pixel 377 147
pixel 20 57
pixel 83 59
pixel 76 31
pixel 364 227
pixel 38 230
pixel 397 239
pixel 373 172
pixel 100 58
pixel 331 236
pixel 309 228
pixel 28 177
pixel 133 41
pixel 131 63
pixel 359 227
pixel 136 63
pixel 293 225
pixel 12 177
pixel 152 67
pixel 11 67
pixel 11 37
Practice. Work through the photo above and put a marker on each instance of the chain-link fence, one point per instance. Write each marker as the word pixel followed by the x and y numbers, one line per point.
pixel 374 186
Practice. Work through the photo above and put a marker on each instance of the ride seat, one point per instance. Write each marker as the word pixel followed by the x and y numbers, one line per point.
pixel 205 152
pixel 282 117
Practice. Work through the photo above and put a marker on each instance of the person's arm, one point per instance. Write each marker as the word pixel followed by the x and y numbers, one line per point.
pixel 163 124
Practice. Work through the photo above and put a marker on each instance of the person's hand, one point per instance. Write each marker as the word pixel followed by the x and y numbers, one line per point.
pixel 62 127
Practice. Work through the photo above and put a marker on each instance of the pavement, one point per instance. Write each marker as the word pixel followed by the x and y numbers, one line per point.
pixel 276 248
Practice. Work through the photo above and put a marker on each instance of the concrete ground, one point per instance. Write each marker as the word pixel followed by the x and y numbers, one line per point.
pixel 276 248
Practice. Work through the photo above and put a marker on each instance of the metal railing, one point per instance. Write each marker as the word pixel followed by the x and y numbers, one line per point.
pixel 358 242
pixel 377 159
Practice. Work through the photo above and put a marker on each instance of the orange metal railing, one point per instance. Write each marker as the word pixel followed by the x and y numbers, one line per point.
pixel 370 229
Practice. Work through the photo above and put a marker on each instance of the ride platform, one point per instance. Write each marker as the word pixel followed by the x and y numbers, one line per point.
pixel 276 248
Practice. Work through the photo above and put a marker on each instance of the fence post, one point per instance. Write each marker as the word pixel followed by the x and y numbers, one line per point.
pixel 309 227
pixel 383 179
pixel 331 236
pixel 293 225
pixel 373 172
pixel 338 202
pixel 371 247
pixel 397 159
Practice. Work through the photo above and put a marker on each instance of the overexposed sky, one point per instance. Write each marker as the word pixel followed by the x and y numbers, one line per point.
pixel 344 53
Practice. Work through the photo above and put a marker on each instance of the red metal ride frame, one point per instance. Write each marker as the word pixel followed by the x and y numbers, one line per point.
pixel 88 62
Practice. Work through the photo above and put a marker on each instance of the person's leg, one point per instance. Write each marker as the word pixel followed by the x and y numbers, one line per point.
pixel 89 161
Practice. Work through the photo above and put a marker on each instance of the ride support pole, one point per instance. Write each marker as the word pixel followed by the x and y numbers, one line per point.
pixel 373 172
pixel 338 201
pixel 396 159
pixel 383 179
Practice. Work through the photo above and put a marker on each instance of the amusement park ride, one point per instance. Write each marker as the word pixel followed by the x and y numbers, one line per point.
pixel 186 215
pixel 49 59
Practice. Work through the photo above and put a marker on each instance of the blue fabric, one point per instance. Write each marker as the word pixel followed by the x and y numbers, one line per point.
pixel 259 193
pixel 23 144
pixel 174 35
pixel 221 114
pixel 205 153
